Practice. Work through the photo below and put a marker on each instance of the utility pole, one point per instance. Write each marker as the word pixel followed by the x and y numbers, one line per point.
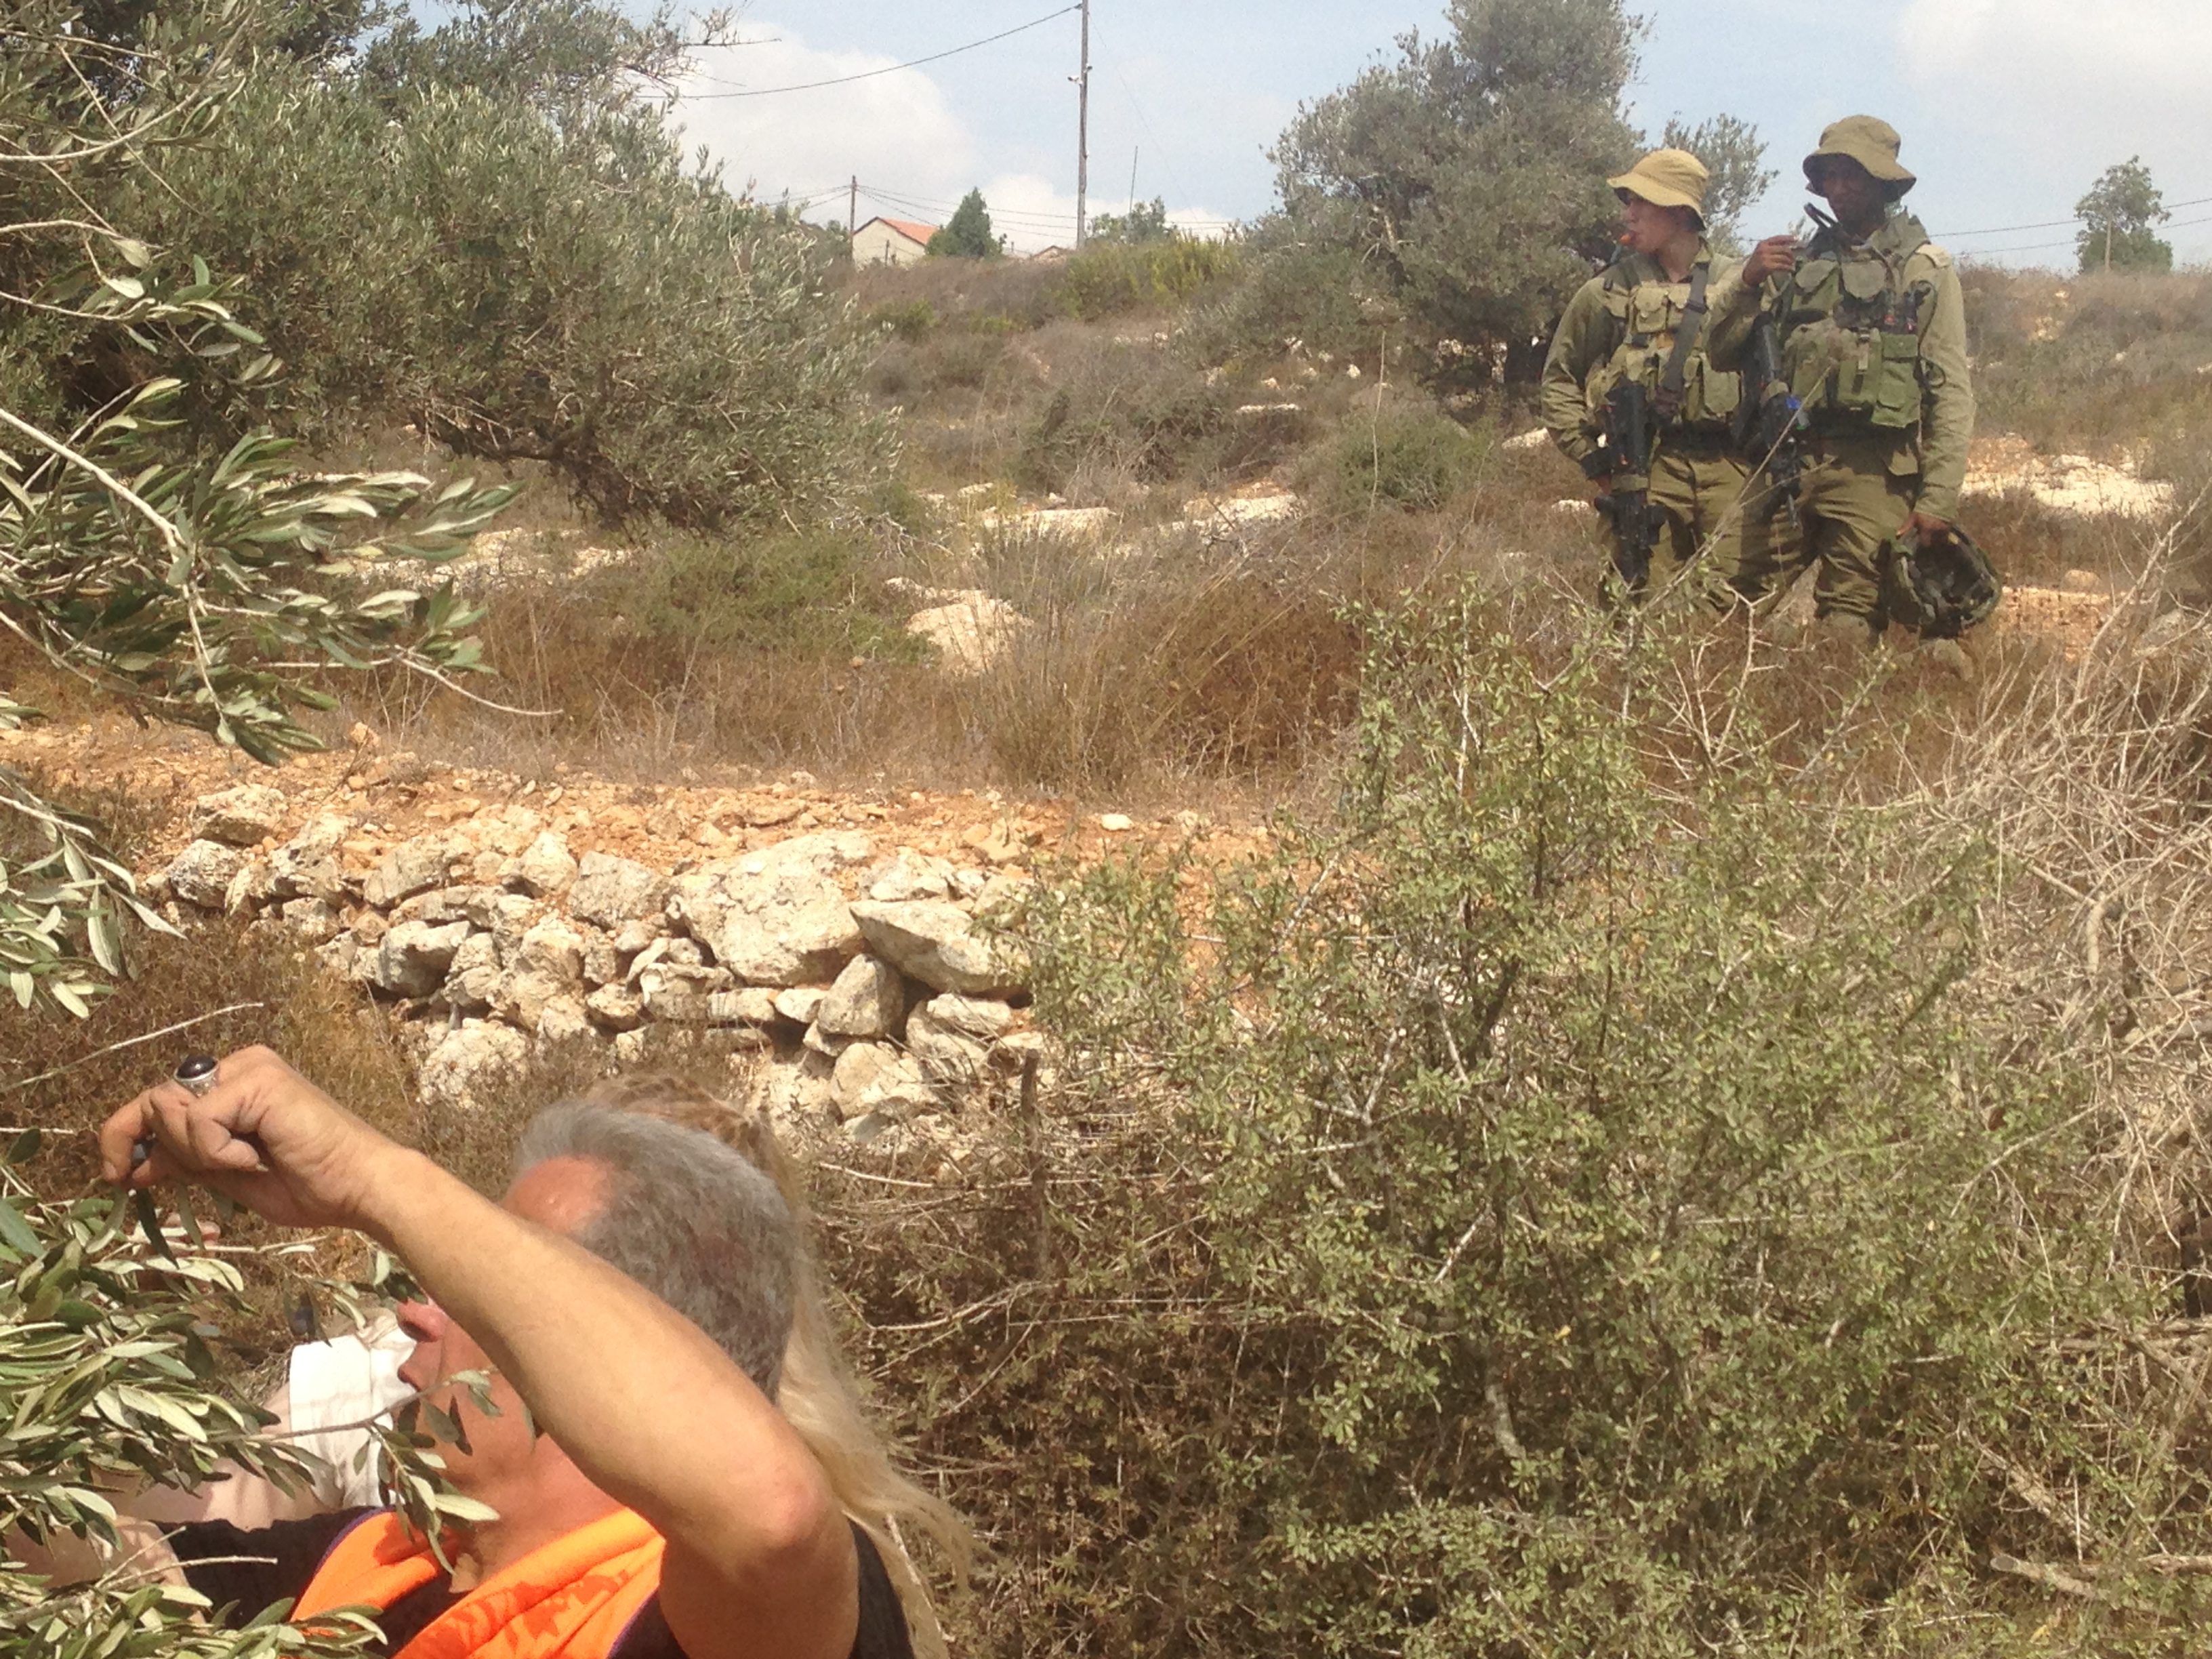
pixel 1134 155
pixel 1083 130
pixel 852 219
pixel 2108 247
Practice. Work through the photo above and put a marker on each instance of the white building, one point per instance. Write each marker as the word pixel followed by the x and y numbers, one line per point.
pixel 891 242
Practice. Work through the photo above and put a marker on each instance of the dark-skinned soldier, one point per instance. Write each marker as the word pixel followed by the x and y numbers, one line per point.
pixel 1873 344
pixel 1640 320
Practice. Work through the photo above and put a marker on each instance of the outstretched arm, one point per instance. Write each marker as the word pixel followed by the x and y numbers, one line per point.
pixel 759 1559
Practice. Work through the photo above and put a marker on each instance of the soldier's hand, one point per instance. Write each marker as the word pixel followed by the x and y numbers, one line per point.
pixel 1775 256
pixel 1926 527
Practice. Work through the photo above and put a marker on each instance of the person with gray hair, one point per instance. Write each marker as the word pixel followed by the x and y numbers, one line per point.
pixel 631 1298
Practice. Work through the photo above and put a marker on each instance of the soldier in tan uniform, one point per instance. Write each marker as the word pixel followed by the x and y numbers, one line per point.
pixel 1641 319
pixel 1873 345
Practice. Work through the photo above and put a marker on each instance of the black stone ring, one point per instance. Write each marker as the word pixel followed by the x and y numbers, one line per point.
pixel 197 1072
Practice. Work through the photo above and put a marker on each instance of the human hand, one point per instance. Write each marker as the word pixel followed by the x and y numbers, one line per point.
pixel 1775 256
pixel 1923 526
pixel 263 1135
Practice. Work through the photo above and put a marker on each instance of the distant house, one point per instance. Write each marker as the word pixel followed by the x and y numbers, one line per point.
pixel 1052 256
pixel 891 242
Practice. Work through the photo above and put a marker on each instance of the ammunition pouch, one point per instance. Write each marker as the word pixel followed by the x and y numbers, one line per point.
pixel 1942 585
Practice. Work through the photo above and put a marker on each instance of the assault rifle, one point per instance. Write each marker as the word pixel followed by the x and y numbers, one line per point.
pixel 1773 420
pixel 1628 503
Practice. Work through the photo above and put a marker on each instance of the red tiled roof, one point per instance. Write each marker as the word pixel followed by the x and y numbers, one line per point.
pixel 905 227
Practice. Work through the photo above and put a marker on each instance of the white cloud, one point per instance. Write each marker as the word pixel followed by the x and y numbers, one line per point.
pixel 897 133
pixel 2111 76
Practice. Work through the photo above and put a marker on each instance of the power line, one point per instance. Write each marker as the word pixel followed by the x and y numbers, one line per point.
pixel 893 68
pixel 2053 224
pixel 2044 247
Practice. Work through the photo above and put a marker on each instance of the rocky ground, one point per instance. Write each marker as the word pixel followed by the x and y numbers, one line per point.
pixel 839 948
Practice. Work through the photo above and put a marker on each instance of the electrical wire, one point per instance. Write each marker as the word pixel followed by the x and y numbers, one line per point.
pixel 2053 224
pixel 893 69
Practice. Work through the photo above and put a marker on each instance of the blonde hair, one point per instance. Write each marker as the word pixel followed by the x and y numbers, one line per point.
pixel 818 1395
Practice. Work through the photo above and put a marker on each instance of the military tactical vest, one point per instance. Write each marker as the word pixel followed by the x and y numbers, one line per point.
pixel 1647 312
pixel 1851 329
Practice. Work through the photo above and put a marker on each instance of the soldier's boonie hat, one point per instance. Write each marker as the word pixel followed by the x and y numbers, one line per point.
pixel 1668 179
pixel 1873 144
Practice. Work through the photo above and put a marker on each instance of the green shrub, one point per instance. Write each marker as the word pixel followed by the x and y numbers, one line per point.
pixel 1529 1213
pixel 1295 299
pixel 911 319
pixel 1126 411
pixel 1415 458
pixel 1111 277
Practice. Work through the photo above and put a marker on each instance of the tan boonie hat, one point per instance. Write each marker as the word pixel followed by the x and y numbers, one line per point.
pixel 1668 179
pixel 1873 144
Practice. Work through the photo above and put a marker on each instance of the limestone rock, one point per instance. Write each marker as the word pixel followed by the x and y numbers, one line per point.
pixel 413 866
pixel 413 958
pixel 951 1036
pixel 472 977
pixel 439 906
pixel 868 1001
pixel 603 962
pixel 545 868
pixel 314 920
pixel 610 891
pixel 201 875
pixel 466 1063
pixel 242 817
pixel 616 1008
pixel 249 890
pixel 937 943
pixel 774 917
pixel 546 965
pixel 798 1004
pixel 506 917
pixel 753 1006
pixel 858 1069
pixel 909 875
pixel 308 865
pixel 564 1021
pixel 634 936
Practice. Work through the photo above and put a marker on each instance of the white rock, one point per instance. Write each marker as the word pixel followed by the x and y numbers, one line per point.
pixel 314 920
pixel 858 1069
pixel 464 1063
pixel 506 917
pixel 971 633
pixel 545 868
pixel 611 891
pixel 868 1001
pixel 603 962
pixel 413 958
pixel 241 816
pixel 201 875
pixel 753 1006
pixel 249 890
pixel 1116 823
pixel 564 1021
pixel 774 917
pixel 440 905
pixel 909 875
pixel 798 1004
pixel 616 1008
pixel 546 966
pixel 414 866
pixel 937 943
pixel 308 865
pixel 632 1048
pixel 472 977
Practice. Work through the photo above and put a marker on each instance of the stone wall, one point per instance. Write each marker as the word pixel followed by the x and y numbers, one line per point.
pixel 859 975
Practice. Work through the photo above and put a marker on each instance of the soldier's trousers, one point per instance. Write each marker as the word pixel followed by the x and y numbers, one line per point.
pixel 1702 490
pixel 1855 502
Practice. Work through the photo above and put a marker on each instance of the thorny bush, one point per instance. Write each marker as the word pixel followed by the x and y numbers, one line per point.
pixel 1566 1202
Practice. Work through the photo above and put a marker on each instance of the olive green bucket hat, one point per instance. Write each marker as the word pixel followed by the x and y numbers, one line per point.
pixel 1873 144
pixel 1667 179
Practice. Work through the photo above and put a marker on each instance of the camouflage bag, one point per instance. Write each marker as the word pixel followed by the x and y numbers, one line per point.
pixel 1942 585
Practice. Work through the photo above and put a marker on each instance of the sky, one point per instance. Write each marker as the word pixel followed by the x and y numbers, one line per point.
pixel 2010 108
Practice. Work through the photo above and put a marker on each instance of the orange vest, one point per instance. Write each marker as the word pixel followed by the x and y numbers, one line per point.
pixel 570 1600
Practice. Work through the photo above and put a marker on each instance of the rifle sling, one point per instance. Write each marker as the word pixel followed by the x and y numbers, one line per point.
pixel 1675 380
